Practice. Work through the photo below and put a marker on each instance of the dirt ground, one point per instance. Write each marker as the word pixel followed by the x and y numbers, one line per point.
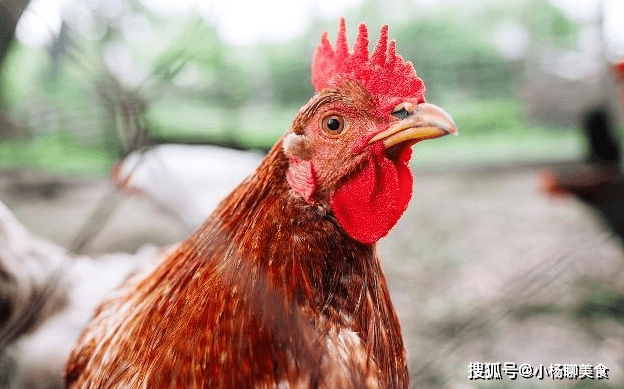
pixel 482 268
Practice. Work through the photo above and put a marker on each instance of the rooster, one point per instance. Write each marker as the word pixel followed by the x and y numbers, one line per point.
pixel 598 183
pixel 282 286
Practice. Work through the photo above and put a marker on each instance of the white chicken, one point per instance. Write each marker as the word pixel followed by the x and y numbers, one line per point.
pixel 188 180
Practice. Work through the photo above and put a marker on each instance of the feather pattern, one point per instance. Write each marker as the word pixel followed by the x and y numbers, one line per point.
pixel 239 303
pixel 282 286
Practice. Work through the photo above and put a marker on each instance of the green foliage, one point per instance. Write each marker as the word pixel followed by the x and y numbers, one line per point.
pixel 483 116
pixel 289 71
pixel 291 82
pixel 255 126
pixel 54 154
pixel 434 39
pixel 543 145
pixel 550 24
pixel 199 87
pixel 198 44
pixel 219 74
pixel 21 74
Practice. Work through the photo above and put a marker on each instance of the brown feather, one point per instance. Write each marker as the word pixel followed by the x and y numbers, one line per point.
pixel 269 291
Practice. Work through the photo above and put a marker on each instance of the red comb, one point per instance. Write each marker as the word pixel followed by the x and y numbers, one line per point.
pixel 383 73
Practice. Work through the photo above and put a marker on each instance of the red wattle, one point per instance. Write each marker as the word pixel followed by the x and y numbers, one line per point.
pixel 372 201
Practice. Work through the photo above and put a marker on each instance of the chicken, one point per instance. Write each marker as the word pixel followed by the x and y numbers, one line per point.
pixel 599 182
pixel 599 186
pixel 282 285
pixel 46 296
pixel 31 286
pixel 188 180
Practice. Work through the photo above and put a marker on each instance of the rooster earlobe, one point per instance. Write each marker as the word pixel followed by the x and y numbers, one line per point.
pixel 301 178
pixel 300 174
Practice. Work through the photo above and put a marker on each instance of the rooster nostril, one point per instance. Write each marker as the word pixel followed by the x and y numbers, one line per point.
pixel 403 110
pixel 401 113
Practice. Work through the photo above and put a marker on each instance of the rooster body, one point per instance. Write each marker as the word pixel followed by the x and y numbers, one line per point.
pixel 282 286
pixel 248 304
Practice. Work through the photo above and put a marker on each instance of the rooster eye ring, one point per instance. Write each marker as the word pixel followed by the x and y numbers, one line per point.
pixel 333 124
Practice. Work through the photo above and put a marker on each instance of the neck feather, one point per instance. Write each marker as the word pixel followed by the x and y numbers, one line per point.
pixel 284 255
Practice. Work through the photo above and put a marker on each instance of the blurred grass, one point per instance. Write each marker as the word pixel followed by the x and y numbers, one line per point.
pixel 54 154
pixel 484 116
pixel 537 145
pixel 498 131
pixel 491 132
pixel 252 126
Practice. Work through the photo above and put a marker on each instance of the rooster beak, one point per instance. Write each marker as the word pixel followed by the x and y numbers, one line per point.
pixel 425 121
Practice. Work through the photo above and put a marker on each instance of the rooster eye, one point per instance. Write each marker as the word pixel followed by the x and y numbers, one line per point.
pixel 333 124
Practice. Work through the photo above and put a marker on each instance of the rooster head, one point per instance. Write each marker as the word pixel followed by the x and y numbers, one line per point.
pixel 349 147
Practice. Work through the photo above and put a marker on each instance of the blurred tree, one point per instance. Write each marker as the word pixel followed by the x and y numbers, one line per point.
pixel 289 72
pixel 135 61
pixel 199 66
pixel 102 75
pixel 456 47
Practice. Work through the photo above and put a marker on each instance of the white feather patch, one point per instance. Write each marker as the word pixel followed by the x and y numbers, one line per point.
pixel 291 141
pixel 347 355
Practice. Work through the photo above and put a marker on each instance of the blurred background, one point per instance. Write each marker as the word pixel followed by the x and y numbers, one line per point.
pixel 124 122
